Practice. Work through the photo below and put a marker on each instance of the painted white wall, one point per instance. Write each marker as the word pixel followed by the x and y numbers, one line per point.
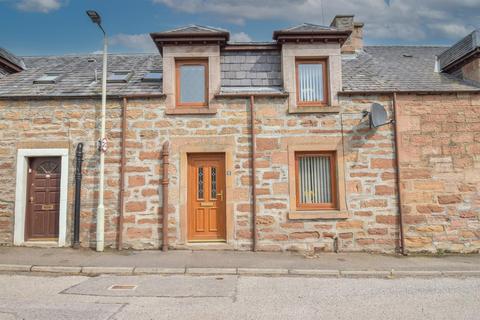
pixel 21 192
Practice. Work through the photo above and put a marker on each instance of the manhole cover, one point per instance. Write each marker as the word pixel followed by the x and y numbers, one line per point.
pixel 123 287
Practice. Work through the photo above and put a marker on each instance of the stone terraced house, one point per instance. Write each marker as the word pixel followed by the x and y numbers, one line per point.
pixel 245 146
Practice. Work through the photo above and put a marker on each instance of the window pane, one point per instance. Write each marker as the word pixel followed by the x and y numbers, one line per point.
pixel 192 83
pixel 200 183
pixel 315 182
pixel 214 183
pixel 310 77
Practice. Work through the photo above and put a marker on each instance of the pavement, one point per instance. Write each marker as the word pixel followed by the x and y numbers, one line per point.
pixel 126 262
pixel 43 297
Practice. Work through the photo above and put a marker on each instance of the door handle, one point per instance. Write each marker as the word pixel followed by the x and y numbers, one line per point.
pixel 221 195
pixel 31 199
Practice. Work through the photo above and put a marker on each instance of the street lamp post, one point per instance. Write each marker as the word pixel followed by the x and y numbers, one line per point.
pixel 102 146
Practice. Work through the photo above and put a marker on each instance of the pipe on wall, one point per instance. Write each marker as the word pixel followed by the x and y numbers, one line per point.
pixel 122 174
pixel 165 181
pixel 78 192
pixel 397 175
pixel 254 188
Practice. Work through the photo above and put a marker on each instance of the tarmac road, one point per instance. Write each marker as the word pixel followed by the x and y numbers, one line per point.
pixel 40 296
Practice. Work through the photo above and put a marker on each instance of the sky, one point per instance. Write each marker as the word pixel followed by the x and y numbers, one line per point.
pixel 54 27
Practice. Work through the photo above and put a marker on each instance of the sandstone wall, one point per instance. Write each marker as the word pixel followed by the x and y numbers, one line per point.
pixel 439 163
pixel 440 171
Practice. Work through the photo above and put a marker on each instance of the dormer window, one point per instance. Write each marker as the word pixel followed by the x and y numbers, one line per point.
pixel 153 76
pixel 50 77
pixel 191 83
pixel 119 76
pixel 312 82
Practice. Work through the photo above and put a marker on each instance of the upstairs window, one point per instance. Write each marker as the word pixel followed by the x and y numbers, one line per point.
pixel 311 79
pixel 191 83
pixel 315 180
pixel 50 77
pixel 119 76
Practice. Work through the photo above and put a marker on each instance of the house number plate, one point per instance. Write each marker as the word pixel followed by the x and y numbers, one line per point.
pixel 47 206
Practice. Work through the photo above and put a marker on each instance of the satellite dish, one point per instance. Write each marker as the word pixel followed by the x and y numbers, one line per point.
pixel 377 116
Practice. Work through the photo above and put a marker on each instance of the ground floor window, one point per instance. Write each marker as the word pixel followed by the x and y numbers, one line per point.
pixel 315 180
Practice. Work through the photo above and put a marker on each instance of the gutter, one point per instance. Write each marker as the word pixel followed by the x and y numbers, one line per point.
pixel 122 174
pixel 390 92
pixel 165 181
pixel 254 177
pixel 91 96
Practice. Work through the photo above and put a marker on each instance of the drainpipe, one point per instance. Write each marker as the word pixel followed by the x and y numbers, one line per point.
pixel 78 191
pixel 397 175
pixel 123 159
pixel 254 188
pixel 165 181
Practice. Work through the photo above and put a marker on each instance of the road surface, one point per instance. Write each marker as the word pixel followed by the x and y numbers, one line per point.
pixel 236 297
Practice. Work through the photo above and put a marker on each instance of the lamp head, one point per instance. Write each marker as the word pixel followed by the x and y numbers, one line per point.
pixel 94 16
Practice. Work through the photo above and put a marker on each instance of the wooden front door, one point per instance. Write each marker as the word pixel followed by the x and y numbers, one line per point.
pixel 43 198
pixel 206 197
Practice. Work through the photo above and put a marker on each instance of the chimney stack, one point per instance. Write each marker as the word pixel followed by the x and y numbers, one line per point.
pixel 346 22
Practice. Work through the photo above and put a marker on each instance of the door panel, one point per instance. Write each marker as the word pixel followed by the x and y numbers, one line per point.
pixel 206 197
pixel 43 198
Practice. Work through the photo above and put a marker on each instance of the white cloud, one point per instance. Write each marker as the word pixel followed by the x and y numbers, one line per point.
pixel 134 42
pixel 43 6
pixel 404 20
pixel 240 37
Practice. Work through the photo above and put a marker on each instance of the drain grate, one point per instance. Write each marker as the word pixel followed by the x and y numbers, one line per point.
pixel 123 287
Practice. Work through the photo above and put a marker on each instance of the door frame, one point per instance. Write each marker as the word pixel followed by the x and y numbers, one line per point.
pixel 21 193
pixel 183 147
pixel 205 156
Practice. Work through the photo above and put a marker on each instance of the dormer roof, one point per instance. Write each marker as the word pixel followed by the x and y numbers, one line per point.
pixel 461 52
pixel 191 35
pixel 309 32
pixel 9 61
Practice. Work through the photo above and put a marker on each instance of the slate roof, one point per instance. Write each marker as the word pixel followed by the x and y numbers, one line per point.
pixel 377 69
pixel 460 50
pixel 251 69
pixel 78 76
pixel 399 68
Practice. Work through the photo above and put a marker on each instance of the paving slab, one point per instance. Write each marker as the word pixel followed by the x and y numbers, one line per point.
pixel 211 271
pixel 365 273
pixel 416 273
pixel 15 267
pixel 147 270
pixel 315 272
pixel 107 270
pixel 262 271
pixel 57 269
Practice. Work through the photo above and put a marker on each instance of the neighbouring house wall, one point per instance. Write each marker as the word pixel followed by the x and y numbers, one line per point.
pixel 471 71
pixel 53 124
pixel 439 163
pixel 440 171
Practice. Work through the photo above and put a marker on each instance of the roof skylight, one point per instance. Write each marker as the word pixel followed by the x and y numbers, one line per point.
pixel 153 76
pixel 50 77
pixel 119 76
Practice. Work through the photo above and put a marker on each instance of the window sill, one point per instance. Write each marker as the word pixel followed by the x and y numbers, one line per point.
pixel 318 215
pixel 315 109
pixel 190 111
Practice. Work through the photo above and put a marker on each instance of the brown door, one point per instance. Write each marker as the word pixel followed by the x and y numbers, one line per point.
pixel 43 198
pixel 206 197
